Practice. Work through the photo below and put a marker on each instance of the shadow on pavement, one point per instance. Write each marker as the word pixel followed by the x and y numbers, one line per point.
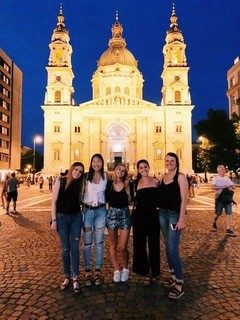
pixel 24 222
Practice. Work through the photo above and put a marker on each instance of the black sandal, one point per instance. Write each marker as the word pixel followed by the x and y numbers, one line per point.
pixel 169 282
pixel 88 280
pixel 76 286
pixel 65 284
pixel 98 280
pixel 175 293
pixel 147 281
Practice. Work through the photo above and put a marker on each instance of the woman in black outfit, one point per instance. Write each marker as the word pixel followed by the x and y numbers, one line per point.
pixel 67 221
pixel 146 228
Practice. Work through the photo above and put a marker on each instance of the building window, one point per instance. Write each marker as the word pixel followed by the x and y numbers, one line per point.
pixel 158 129
pixel 77 154
pixel 108 90
pixel 117 89
pixel 56 154
pixel 232 100
pixel 231 82
pixel 4 144
pixel 77 129
pixel 4 130
pixel 5 92
pixel 4 157
pixel 178 128
pixel 6 79
pixel 158 154
pixel 4 104
pixel 56 128
pixel 177 96
pixel 57 96
pixel 126 90
pixel 6 67
pixel 4 117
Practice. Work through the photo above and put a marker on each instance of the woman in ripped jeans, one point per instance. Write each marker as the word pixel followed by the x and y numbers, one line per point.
pixel 94 218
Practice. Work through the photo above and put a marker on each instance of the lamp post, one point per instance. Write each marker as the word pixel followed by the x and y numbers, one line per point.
pixel 36 140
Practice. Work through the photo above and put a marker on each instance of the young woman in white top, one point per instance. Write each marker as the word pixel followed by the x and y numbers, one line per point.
pixel 94 218
pixel 219 182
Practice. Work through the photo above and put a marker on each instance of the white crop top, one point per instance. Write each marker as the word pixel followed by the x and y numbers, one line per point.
pixel 95 192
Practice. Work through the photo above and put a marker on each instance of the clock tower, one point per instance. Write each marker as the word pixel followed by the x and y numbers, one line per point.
pixel 59 69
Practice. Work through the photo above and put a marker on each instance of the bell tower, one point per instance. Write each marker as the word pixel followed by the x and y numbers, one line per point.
pixel 175 90
pixel 59 69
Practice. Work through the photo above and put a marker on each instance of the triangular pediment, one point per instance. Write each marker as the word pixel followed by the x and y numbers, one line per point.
pixel 117 100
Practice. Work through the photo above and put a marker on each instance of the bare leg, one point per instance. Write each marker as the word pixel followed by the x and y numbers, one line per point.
pixel 113 243
pixel 123 240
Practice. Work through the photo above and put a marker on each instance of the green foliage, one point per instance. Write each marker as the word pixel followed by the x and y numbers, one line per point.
pixel 223 141
pixel 27 158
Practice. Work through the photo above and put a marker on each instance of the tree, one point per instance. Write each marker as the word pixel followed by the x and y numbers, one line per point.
pixel 221 141
pixel 27 159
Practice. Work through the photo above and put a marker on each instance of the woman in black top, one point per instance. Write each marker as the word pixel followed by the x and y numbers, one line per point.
pixel 118 218
pixel 172 201
pixel 67 221
pixel 146 230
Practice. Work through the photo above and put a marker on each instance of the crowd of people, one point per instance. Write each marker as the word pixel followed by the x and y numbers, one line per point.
pixel 84 204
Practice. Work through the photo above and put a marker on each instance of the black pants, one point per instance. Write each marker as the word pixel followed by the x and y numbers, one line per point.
pixel 146 245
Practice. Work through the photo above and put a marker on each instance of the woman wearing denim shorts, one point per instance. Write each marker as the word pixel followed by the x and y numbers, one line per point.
pixel 118 218
pixel 67 221
pixel 172 201
pixel 94 218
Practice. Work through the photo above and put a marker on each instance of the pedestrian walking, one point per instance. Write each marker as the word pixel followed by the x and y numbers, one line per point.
pixel 12 193
pixel 41 182
pixel 50 183
pixel 118 222
pixel 222 182
pixel 146 230
pixel 4 191
pixel 67 221
pixel 94 218
pixel 172 201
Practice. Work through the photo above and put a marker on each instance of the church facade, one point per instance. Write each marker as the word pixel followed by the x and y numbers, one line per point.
pixel 117 122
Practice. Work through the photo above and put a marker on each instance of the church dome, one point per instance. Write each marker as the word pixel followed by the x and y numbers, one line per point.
pixel 117 51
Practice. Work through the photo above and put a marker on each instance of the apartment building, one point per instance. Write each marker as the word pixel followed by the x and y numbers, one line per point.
pixel 233 92
pixel 10 114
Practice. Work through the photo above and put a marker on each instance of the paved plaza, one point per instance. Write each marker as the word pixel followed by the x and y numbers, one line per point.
pixel 30 271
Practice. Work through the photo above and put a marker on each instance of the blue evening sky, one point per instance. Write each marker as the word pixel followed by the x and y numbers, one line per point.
pixel 210 29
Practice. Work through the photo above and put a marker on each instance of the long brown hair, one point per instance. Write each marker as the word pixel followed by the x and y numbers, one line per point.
pixel 91 170
pixel 70 176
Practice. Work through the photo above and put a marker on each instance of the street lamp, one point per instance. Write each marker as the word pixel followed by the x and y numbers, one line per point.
pixel 36 140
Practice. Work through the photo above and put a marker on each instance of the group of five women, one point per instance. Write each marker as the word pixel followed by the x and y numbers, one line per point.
pixel 92 201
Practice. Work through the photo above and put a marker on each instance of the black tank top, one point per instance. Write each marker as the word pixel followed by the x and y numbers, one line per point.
pixel 169 196
pixel 68 201
pixel 116 199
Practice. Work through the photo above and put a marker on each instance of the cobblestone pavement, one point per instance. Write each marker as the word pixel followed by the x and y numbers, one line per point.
pixel 30 274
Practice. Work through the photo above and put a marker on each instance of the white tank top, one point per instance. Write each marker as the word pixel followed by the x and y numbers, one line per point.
pixel 95 192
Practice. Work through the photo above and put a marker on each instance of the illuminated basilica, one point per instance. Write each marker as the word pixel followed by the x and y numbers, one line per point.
pixel 117 122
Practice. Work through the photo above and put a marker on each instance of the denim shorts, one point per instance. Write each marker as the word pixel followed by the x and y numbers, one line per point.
pixel 118 218
pixel 219 206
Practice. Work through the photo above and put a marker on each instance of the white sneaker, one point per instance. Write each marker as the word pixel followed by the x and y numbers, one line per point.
pixel 117 276
pixel 125 275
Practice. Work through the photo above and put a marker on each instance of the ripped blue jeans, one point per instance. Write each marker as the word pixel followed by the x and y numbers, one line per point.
pixel 93 234
pixel 69 229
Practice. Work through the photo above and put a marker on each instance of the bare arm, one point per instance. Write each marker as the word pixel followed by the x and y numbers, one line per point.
pixel 182 180
pixel 56 188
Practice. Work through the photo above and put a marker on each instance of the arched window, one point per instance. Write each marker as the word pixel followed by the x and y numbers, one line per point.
pixel 108 90
pixel 57 96
pixel 56 155
pixel 117 89
pixel 126 90
pixel 177 96
pixel 158 154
